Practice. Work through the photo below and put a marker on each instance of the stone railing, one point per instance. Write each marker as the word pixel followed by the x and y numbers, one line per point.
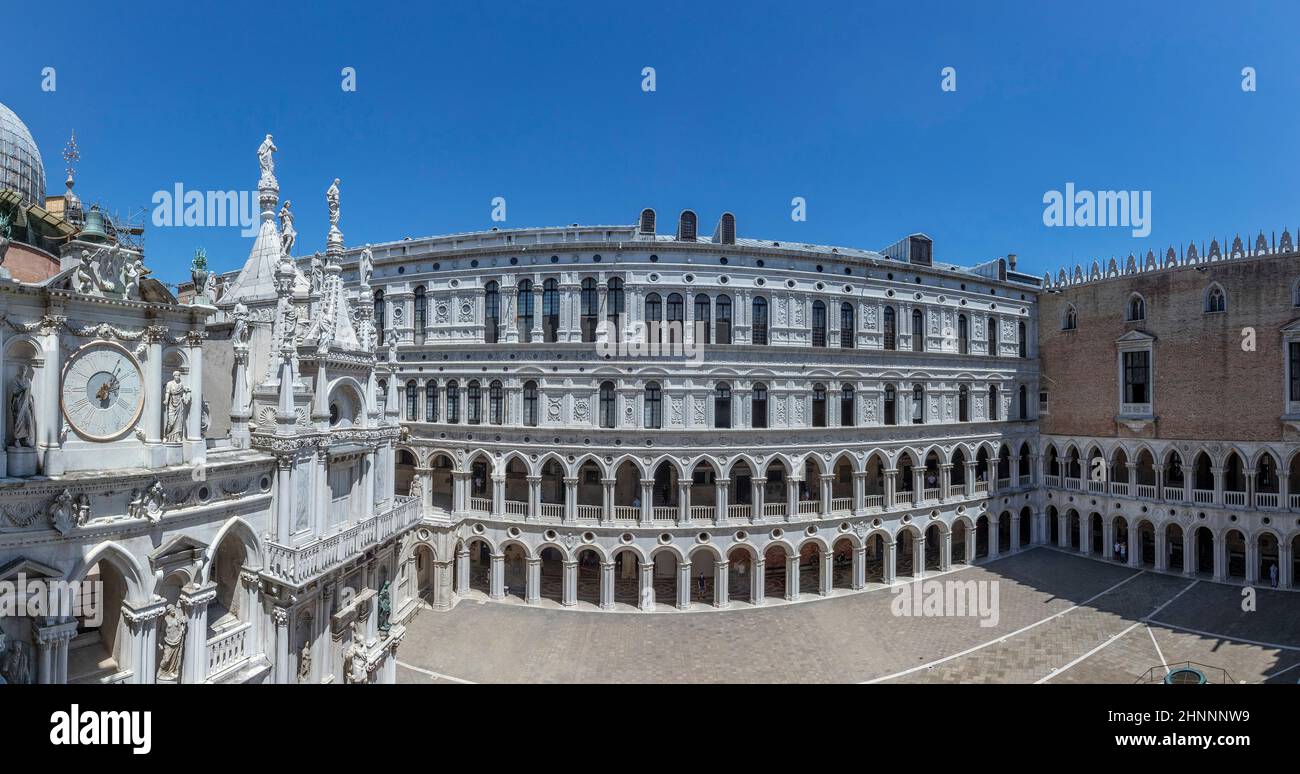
pixel 299 564
pixel 228 650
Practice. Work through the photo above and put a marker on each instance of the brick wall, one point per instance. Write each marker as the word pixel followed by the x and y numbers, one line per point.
pixel 1205 385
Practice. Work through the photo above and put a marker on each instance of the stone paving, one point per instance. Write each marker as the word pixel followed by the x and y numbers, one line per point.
pixel 1061 618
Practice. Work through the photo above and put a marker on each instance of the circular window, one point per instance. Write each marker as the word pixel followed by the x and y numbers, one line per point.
pixel 810 531
pixel 334 413
pixel 626 537
pixel 654 259
pixel 742 536
pixel 265 483
pixel 478 529
pixel 549 534
pixel 703 537
pixel 665 538
pixel 204 494
pixel 513 532
pixel 777 533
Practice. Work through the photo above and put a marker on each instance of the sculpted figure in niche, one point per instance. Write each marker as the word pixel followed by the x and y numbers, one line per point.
pixel 22 408
pixel 304 663
pixel 173 644
pixel 354 658
pixel 176 404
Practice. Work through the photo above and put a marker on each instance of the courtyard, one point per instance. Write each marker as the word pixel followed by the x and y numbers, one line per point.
pixel 1060 618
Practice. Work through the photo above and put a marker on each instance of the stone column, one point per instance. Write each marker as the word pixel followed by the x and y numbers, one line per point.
pixel 1252 561
pixel 859 491
pixel 994 535
pixel 569 595
pixel 606 585
pixel 970 478
pixel 282 664
pixel 791 499
pixel 891 484
pixel 721 579
pixel 1161 561
pixel 792 577
pixel 1134 546
pixel 647 500
pixel 1108 538
pixel 684 501
pixel 570 499
pixel 945 479
pixel 534 498
pixel 721 490
pixel 497 577
pixel 945 552
pixel 142 625
pixel 859 567
pixel 52 652
pixel 758 581
pixel 646 586
pixel 1218 484
pixel 827 574
pixel 888 566
pixel 194 449
pixel 1189 551
pixel 1015 532
pixel 684 585
pixel 498 495
pixel 757 486
pixel 1284 579
pixel 462 569
pixel 970 547
pixel 607 500
pixel 533 580
pixel 827 489
pixel 194 660
pixel 918 557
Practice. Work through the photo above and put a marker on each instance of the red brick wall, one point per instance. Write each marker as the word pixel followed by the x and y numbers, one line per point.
pixel 1205 385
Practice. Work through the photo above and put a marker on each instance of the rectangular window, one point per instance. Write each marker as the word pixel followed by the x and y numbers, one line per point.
pixel 1136 377
pixel 1042 401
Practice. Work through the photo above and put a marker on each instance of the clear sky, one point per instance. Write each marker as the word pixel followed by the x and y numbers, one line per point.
pixel 755 103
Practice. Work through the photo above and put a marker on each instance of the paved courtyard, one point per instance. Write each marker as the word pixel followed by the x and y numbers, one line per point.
pixel 1061 618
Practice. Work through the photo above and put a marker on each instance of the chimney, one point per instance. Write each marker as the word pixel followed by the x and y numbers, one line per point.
pixel 1011 261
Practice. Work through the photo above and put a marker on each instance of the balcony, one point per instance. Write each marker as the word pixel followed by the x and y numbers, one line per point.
pixel 590 513
pixel 1119 488
pixel 1234 498
pixel 228 650
pixel 1146 491
pixel 874 501
pixel 1174 494
pixel 300 564
pixel 739 511
pixel 480 504
pixel 626 513
pixel 1266 499
pixel 842 505
pixel 956 490
pixel 1203 496
pixel 807 507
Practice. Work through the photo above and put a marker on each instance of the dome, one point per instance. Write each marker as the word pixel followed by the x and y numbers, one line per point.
pixel 21 169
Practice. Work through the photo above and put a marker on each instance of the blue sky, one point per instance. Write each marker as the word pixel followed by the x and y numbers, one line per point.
pixel 756 103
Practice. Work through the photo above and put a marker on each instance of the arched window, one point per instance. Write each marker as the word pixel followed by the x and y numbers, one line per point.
pixel 654 417
pixel 891 329
pixel 1215 300
pixel 758 410
pixel 380 317
pixel 431 401
pixel 846 406
pixel 992 339
pixel 590 309
pixel 963 335
pixel 722 405
pixel 819 324
pixel 491 312
pixel 421 314
pixel 608 405
pixel 1022 340
pixel 963 404
pixel 474 400
pixel 891 405
pixel 551 310
pixel 1071 319
pixel 496 403
pixel 918 331
pixel 614 308
pixel 530 404
pixel 411 413
pixel 654 317
pixel 1023 399
pixel 703 325
pixel 724 319
pixel 760 320
pixel 453 402
pixel 918 404
pixel 993 402
pixel 848 325
pixel 1137 308
pixel 676 310
pixel 525 307
pixel 819 405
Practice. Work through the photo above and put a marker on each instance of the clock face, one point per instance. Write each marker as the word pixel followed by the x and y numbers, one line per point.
pixel 103 392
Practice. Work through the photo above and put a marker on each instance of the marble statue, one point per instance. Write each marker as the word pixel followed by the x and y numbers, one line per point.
pixel 176 404
pixel 366 265
pixel 86 278
pixel 287 233
pixel 304 663
pixel 62 512
pixel 385 606
pixel 205 418
pixel 152 502
pixel 14 664
pixel 5 233
pixel 417 486
pixel 290 331
pixel 317 273
pixel 332 198
pixel 210 289
pixel 264 159
pixel 22 408
pixel 132 273
pixel 239 334
pixel 173 644
pixel 83 509
pixel 354 658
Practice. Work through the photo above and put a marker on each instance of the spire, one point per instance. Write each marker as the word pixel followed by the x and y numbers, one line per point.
pixel 256 281
pixel 71 204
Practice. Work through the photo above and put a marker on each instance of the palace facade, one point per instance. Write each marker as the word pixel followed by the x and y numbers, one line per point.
pixel 263 475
